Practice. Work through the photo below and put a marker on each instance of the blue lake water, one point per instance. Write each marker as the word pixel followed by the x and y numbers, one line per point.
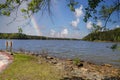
pixel 97 52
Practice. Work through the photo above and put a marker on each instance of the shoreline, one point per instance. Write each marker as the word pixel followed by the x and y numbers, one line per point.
pixel 76 69
pixel 102 41
pixel 82 69
pixel 60 58
pixel 65 58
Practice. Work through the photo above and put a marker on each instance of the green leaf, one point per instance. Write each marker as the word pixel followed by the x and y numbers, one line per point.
pixel 8 13
pixel 23 10
pixel 17 1
pixel 85 19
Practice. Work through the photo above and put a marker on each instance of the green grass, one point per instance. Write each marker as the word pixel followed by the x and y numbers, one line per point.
pixel 26 67
pixel 76 61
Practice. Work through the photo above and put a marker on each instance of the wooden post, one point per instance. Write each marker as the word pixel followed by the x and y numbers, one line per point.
pixel 11 44
pixel 6 45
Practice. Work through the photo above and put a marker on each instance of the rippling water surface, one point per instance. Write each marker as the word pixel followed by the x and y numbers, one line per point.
pixel 91 51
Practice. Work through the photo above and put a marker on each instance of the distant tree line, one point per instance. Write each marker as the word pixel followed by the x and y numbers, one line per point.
pixel 24 36
pixel 110 35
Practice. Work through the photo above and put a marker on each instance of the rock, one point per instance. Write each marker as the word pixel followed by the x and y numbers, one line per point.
pixel 32 54
pixel 36 54
pixel 11 53
pixel 107 65
pixel 84 69
pixel 68 68
pixel 53 62
pixel 80 65
pixel 69 60
pixel 48 57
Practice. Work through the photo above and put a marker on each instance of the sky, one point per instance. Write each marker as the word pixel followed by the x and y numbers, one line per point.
pixel 61 23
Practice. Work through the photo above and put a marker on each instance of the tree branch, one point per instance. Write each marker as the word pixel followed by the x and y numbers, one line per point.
pixel 111 14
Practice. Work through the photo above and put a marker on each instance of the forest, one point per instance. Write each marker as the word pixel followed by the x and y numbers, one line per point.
pixel 110 35
pixel 24 36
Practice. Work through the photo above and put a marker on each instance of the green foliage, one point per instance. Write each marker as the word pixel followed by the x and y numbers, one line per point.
pixel 76 61
pixel 7 13
pixel 24 36
pixel 94 3
pixel 3 6
pixel 72 4
pixel 33 6
pixel 17 1
pixel 23 10
pixel 104 11
pixel 110 35
pixel 96 28
pixel 13 36
pixel 91 11
pixel 20 30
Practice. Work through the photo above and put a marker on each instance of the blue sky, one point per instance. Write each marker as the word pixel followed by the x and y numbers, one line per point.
pixel 61 23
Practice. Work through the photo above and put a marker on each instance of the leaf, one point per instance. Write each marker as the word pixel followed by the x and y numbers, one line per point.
pixel 71 8
pixel 23 10
pixel 17 1
pixel 8 13
pixel 85 19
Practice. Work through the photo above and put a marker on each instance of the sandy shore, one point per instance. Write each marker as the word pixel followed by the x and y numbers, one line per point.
pixel 5 59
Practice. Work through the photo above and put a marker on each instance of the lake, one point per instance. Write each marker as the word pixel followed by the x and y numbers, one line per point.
pixel 97 52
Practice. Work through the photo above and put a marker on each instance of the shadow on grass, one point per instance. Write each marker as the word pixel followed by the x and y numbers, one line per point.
pixel 80 78
pixel 72 78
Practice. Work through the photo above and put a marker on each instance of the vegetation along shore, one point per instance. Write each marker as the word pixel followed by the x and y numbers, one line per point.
pixel 24 36
pixel 110 35
pixel 28 66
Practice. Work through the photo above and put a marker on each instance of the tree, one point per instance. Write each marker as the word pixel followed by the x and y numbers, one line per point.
pixel 96 28
pixel 20 30
pixel 33 6
pixel 104 13
pixel 92 11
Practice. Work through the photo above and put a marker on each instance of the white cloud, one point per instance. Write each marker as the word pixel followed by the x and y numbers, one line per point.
pixel 64 32
pixel 79 12
pixel 75 23
pixel 117 26
pixel 89 25
pixel 52 32
pixel 60 34
pixel 99 23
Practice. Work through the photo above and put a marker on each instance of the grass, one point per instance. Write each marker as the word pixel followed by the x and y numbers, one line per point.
pixel 26 67
pixel 76 61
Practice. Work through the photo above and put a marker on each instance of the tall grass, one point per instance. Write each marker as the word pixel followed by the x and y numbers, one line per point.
pixel 26 67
